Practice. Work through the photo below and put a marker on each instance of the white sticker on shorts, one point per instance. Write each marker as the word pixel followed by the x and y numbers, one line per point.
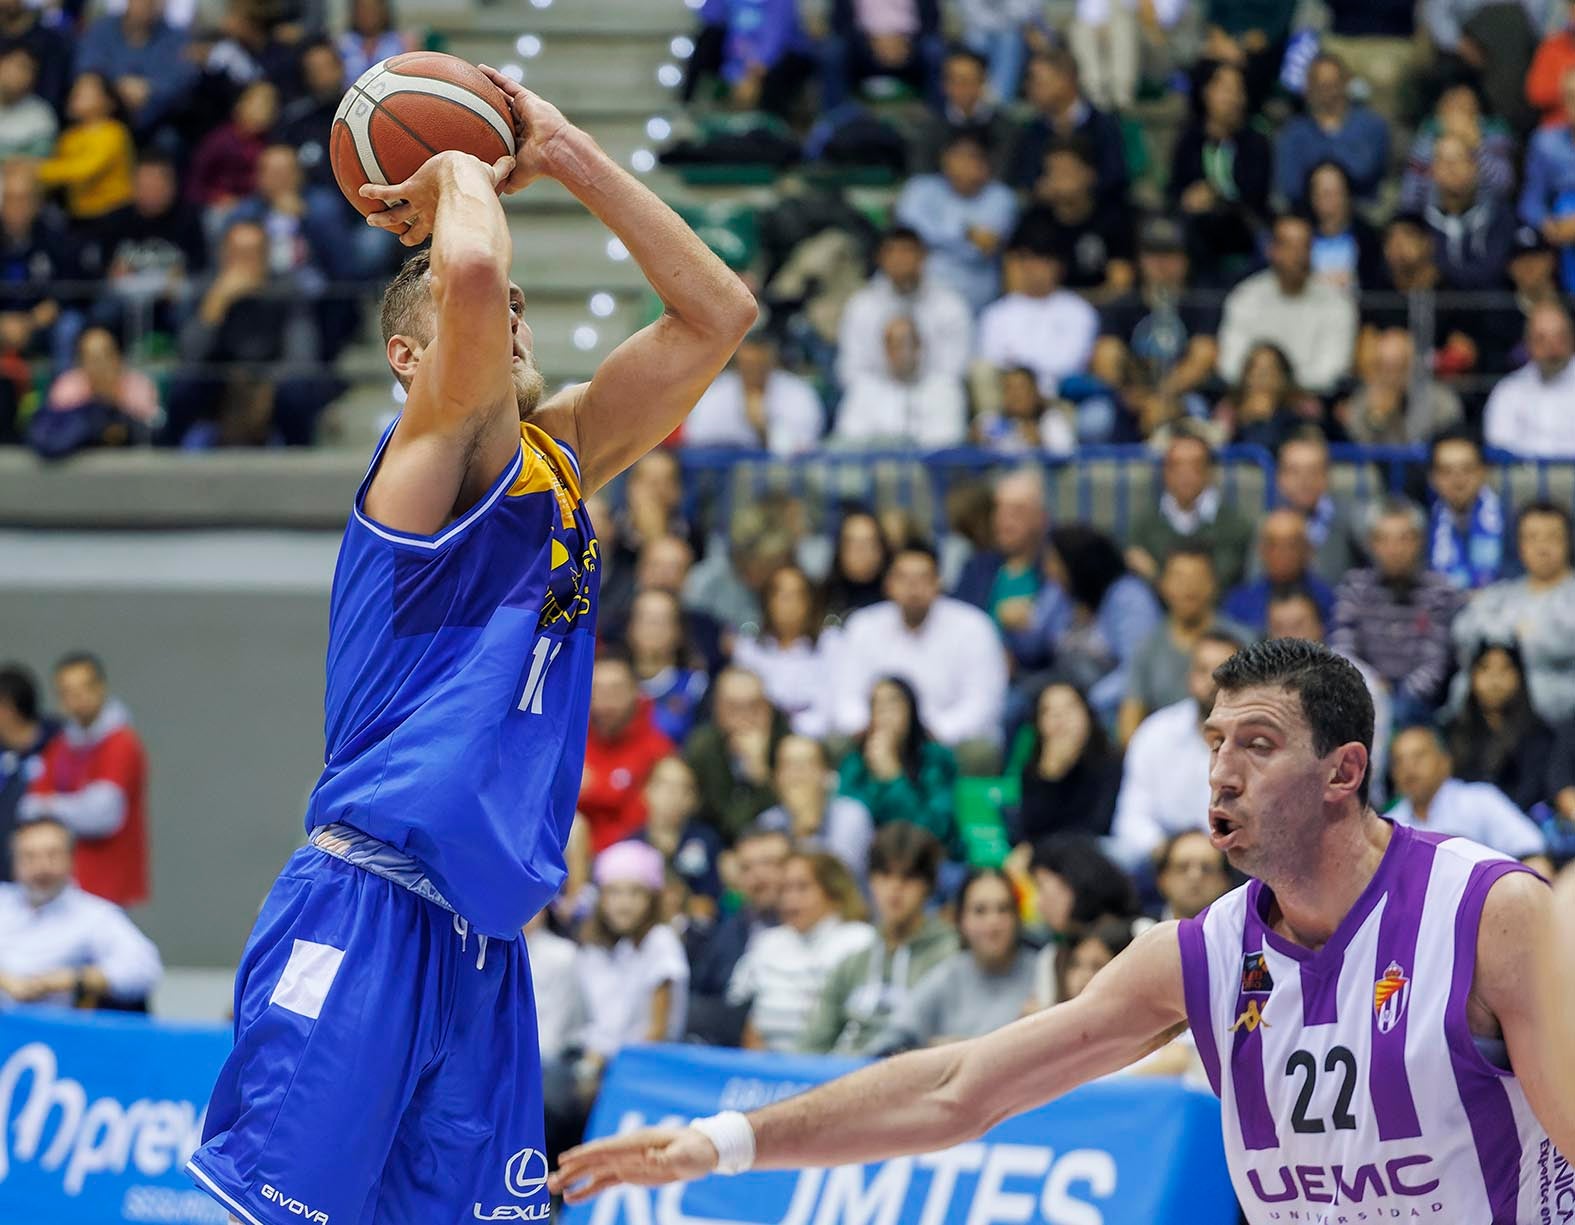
pixel 307 976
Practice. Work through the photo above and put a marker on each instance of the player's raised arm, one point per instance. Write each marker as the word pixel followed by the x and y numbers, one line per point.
pixel 930 1099
pixel 646 386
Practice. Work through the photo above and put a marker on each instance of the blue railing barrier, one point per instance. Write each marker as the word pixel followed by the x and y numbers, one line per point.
pixel 1122 1151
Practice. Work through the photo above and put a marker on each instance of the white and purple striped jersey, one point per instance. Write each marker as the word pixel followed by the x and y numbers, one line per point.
pixel 1352 1088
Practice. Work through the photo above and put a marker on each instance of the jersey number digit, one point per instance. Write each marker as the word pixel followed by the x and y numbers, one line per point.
pixel 541 659
pixel 1307 1062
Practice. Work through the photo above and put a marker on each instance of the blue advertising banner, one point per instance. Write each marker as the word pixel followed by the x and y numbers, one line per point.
pixel 1126 1151
pixel 98 1114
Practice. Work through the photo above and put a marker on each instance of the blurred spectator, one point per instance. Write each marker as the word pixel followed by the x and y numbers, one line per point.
pixel 962 215
pixel 631 968
pixel 1332 128
pixel 1396 614
pixel 1538 609
pixel 93 157
pixel 1156 343
pixel 1473 230
pixel 1090 617
pixel 901 287
pixel 977 989
pixel 152 254
pixel 808 810
pixel 1301 483
pixel 1072 775
pixel 1377 38
pixel 1108 38
pixel 898 770
pixel 1075 885
pixel 1550 67
pixel 1003 580
pixel 1037 324
pixel 1025 424
pixel 1468 531
pixel 653 497
pixel 1346 252
pixel 296 249
pixel 1266 407
pixel 1219 178
pixel 663 565
pixel 1547 202
pixel 690 848
pixel 785 968
pixel 758 50
pixel 99 402
pixel 224 166
pixel 373 36
pixel 1284 564
pixel 1491 42
pixel 1412 278
pixel 1157 675
pixel 1497 738
pixel 1092 240
pixel 790 655
pixel 245 317
pixel 1165 779
pixel 948 651
pixel 306 123
pixel 1528 412
pixel 727 582
pixel 731 754
pixel 1060 112
pixel 95 783
pixel 24 731
pixel 903 406
pixel 63 946
pixel 622 748
pixel 1458 113
pixel 1561 771
pixel 1190 874
pixel 899 38
pixel 145 59
pixel 969 108
pixel 867 987
pixel 561 1015
pixel 759 857
pixel 1251 34
pixel 1284 304
pixel 1191 509
pixel 859 564
pixel 1431 798
pixel 27 123
pixel 35 252
pixel 1088 953
pixel 1397 402
pixel 995 29
pixel 663 663
pixel 21 26
pixel 757 405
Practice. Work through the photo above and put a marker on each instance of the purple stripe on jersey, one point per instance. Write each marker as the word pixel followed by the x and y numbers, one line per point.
pixel 1321 992
pixel 1394 1107
pixel 1246 1054
pixel 1195 989
pixel 1482 1090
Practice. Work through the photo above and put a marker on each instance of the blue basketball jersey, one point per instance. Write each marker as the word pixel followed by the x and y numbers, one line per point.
pixel 459 677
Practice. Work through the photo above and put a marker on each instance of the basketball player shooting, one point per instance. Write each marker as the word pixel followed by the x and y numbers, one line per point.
pixel 1385 1013
pixel 385 1069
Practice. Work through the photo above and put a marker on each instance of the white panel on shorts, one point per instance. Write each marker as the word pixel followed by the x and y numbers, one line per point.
pixel 308 974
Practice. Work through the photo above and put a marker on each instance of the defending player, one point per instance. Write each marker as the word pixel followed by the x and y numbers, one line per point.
pixel 1369 1008
pixel 385 1070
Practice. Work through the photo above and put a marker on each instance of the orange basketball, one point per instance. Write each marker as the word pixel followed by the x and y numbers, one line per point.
pixel 409 107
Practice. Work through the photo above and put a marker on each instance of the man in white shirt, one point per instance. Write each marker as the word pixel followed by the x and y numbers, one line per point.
pixel 1313 322
pixel 754 403
pixel 1435 801
pixel 1048 329
pixel 1165 779
pixel 1532 411
pixel 948 651
pixel 59 945
pixel 900 287
pixel 903 406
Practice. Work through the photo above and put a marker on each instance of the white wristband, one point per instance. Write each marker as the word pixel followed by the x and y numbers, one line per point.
pixel 734 1138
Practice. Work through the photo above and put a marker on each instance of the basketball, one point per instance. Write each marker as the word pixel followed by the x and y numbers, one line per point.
pixel 408 107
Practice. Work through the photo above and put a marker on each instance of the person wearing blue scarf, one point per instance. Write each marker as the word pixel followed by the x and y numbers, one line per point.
pixel 1466 527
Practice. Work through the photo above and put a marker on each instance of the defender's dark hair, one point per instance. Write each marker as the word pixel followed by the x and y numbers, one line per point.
pixel 19 691
pixel 84 659
pixel 902 848
pixel 1334 697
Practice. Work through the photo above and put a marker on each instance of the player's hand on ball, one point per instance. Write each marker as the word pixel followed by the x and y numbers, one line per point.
pixel 645 1158
pixel 537 126
pixel 412 205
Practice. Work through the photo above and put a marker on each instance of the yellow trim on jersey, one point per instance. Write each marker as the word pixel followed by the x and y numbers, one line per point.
pixel 544 468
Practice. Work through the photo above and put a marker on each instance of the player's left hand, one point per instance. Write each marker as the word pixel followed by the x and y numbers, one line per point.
pixel 645 1158
pixel 538 125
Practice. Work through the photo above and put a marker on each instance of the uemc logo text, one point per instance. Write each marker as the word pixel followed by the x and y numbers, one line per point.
pixel 1339 1184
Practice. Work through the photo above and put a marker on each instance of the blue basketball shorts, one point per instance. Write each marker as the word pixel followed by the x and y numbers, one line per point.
pixel 385 1069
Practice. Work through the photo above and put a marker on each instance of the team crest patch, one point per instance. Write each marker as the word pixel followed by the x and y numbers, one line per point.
pixel 1255 976
pixel 1390 994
